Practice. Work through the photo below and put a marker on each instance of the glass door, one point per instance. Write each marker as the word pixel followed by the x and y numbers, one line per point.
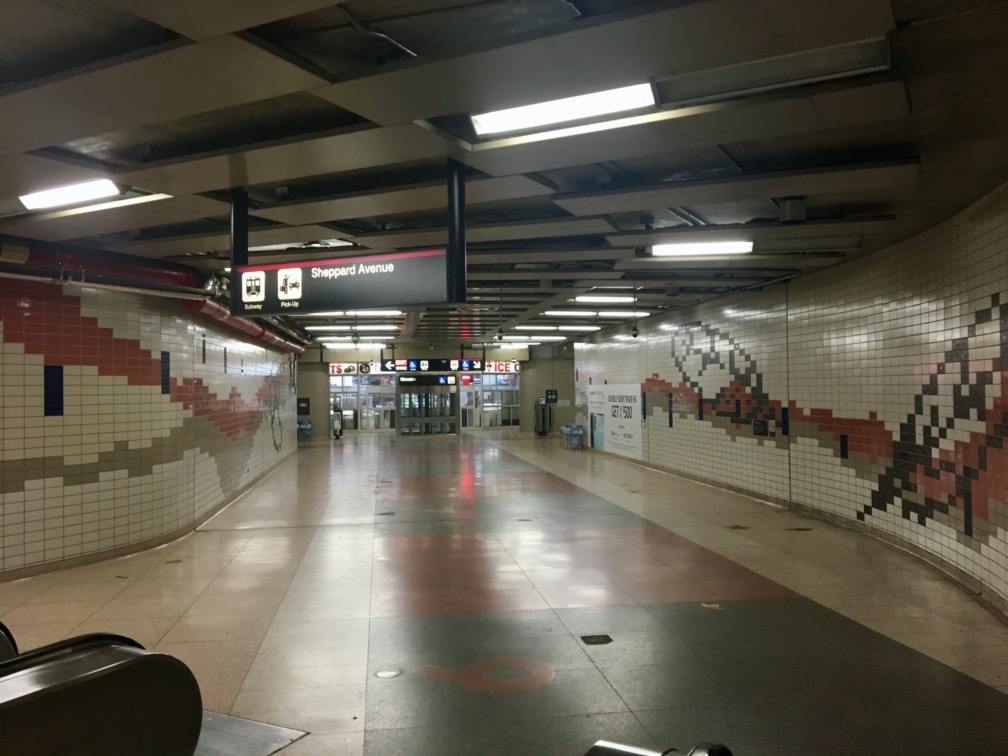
pixel 428 410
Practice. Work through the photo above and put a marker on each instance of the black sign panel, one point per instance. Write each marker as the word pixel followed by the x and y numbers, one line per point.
pixel 426 365
pixel 551 396
pixel 406 381
pixel 303 405
pixel 349 283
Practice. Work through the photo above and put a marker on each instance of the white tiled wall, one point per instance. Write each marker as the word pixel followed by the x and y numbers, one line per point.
pixel 126 463
pixel 849 351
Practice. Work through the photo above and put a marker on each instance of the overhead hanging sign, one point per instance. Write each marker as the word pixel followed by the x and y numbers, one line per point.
pixel 399 279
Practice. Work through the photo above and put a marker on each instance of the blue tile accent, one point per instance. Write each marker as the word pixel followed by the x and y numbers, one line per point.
pixel 967 498
pixel 165 372
pixel 785 421
pixel 670 410
pixel 699 404
pixel 53 390
pixel 738 409
pixel 844 450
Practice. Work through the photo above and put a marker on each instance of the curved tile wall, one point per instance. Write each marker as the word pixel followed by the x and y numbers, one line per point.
pixel 126 420
pixel 874 391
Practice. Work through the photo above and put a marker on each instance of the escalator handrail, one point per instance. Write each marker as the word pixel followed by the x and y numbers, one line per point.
pixel 5 631
pixel 43 654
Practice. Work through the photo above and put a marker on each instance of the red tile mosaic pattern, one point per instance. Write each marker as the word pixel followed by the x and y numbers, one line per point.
pixel 876 391
pixel 121 444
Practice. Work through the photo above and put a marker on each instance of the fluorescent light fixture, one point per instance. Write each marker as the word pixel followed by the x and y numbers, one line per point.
pixel 567 109
pixel 362 327
pixel 570 313
pixel 579 329
pixel 351 345
pixel 70 195
pixel 374 313
pixel 517 338
pixel 551 338
pixel 534 328
pixel 517 345
pixel 623 314
pixel 701 249
pixel 603 299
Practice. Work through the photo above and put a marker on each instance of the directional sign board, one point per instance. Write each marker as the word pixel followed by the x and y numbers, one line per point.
pixel 428 365
pixel 399 279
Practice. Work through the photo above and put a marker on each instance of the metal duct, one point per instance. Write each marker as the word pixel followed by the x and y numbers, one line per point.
pixel 67 265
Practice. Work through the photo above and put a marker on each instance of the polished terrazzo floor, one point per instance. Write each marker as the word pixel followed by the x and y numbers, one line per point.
pixel 441 596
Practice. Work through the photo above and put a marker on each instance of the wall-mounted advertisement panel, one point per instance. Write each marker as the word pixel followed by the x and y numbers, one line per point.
pixel 400 279
pixel 615 413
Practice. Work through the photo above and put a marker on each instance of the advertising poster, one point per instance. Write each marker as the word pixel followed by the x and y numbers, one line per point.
pixel 615 411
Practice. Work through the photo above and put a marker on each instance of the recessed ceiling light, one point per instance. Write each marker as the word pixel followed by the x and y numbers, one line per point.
pixel 564 110
pixel 69 195
pixel 362 327
pixel 570 313
pixel 352 345
pixel 700 249
pixel 603 299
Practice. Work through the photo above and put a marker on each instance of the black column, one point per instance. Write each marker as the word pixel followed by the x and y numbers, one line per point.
pixel 456 232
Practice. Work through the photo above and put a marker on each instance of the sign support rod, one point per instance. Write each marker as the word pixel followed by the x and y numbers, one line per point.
pixel 239 240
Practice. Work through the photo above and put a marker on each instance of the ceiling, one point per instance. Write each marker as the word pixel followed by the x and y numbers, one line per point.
pixel 819 131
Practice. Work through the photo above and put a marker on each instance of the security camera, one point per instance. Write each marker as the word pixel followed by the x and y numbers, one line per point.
pixel 355 338
pixel 635 332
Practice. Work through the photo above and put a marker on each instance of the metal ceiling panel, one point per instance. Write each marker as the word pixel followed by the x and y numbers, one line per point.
pixel 354 150
pixel 399 201
pixel 743 188
pixel 700 126
pixel 222 242
pixel 498 232
pixel 75 224
pixel 166 85
pixel 641 48
pixel 199 19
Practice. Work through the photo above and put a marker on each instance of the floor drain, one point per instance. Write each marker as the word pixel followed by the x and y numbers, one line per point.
pixel 174 561
pixel 596 640
pixel 388 674
pixel 737 527
pixel 799 530
pixel 385 514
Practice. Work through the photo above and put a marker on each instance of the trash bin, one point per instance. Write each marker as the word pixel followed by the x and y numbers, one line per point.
pixel 543 416
pixel 304 429
pixel 571 436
